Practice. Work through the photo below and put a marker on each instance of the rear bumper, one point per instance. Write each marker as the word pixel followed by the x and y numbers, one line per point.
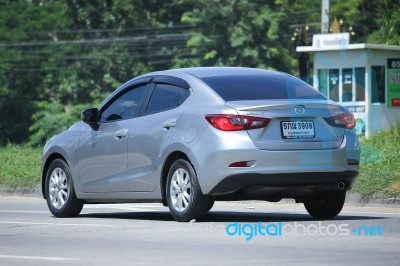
pixel 286 169
pixel 313 180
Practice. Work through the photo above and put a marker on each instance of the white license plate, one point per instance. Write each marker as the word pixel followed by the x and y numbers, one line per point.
pixel 298 130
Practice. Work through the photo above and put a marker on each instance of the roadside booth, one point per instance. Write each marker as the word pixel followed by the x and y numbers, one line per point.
pixel 363 77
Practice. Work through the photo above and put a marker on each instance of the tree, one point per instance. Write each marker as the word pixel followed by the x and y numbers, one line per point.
pixel 388 20
pixel 21 65
pixel 236 33
pixel 106 44
pixel 59 56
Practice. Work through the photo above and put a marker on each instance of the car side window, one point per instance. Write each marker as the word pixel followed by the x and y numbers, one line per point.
pixel 165 97
pixel 125 106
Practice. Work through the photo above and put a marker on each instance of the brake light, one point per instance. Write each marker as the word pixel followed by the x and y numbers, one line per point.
pixel 236 122
pixel 344 120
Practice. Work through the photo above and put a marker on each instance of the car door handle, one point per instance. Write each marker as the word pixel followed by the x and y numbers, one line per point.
pixel 120 134
pixel 169 123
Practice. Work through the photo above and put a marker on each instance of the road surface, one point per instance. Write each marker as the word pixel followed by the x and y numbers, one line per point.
pixel 232 233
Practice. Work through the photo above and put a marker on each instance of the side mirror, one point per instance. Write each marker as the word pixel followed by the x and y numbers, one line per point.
pixel 91 117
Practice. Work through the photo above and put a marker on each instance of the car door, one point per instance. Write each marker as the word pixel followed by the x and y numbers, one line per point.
pixel 103 152
pixel 151 131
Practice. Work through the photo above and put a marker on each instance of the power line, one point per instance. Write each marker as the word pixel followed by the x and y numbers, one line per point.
pixel 50 53
pixel 137 39
pixel 158 46
pixel 116 30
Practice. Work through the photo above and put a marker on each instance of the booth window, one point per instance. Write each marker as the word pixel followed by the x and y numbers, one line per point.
pixel 378 84
pixel 334 84
pixel 347 85
pixel 349 81
pixel 323 81
pixel 360 84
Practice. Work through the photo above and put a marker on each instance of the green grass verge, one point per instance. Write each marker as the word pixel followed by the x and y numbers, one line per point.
pixel 20 166
pixel 379 170
pixel 380 164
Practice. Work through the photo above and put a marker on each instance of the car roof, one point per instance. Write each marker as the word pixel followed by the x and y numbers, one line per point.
pixel 203 72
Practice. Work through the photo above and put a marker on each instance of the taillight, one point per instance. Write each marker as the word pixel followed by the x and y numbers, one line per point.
pixel 344 120
pixel 236 122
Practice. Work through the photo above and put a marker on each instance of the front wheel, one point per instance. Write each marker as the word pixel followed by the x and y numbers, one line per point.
pixel 326 205
pixel 184 197
pixel 60 193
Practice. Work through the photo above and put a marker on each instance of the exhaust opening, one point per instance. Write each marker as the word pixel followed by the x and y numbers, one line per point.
pixel 353 162
pixel 341 185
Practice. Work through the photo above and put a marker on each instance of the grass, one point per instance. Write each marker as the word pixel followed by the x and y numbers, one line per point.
pixel 380 166
pixel 19 166
pixel 379 170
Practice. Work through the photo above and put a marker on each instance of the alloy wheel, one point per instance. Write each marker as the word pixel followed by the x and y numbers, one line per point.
pixel 58 188
pixel 181 190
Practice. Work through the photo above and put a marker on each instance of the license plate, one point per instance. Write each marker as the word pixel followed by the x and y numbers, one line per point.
pixel 298 130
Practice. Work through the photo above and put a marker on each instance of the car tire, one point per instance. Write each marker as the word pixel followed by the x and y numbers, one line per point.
pixel 60 193
pixel 326 205
pixel 210 205
pixel 184 197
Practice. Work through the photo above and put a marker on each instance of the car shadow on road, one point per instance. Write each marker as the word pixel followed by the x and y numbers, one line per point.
pixel 226 216
pixel 274 217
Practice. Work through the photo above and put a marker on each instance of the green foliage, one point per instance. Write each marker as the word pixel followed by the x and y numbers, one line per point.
pixel 20 76
pixel 361 15
pixel 236 33
pixel 15 115
pixel 372 21
pixel 380 169
pixel 72 53
pixel 388 20
pixel 57 56
pixel 20 166
pixel 52 119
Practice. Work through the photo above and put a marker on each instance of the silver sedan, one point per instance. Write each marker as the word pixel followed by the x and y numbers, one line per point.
pixel 188 137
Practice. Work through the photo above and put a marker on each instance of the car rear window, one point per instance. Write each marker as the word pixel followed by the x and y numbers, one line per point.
pixel 256 87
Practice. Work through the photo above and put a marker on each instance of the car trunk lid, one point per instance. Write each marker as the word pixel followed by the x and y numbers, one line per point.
pixel 294 125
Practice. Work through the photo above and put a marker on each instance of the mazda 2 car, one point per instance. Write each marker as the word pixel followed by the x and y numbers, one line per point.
pixel 188 137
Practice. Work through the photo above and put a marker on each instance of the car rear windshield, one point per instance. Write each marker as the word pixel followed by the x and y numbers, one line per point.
pixel 257 87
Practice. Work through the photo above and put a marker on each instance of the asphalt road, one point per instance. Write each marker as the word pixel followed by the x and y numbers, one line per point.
pixel 145 234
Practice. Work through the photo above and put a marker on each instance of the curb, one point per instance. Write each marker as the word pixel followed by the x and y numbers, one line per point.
pixel 21 192
pixel 372 200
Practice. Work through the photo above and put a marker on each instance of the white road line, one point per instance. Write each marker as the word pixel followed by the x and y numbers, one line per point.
pixel 116 206
pixel 285 211
pixel 55 224
pixel 37 258
pixel 22 211
pixel 125 207
pixel 375 213
pixel 131 209
pixel 342 212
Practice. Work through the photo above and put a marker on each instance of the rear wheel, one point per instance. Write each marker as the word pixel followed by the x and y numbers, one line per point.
pixel 184 197
pixel 326 205
pixel 211 204
pixel 60 193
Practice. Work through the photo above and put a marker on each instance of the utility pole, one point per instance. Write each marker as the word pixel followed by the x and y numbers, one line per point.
pixel 325 16
pixel 300 38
